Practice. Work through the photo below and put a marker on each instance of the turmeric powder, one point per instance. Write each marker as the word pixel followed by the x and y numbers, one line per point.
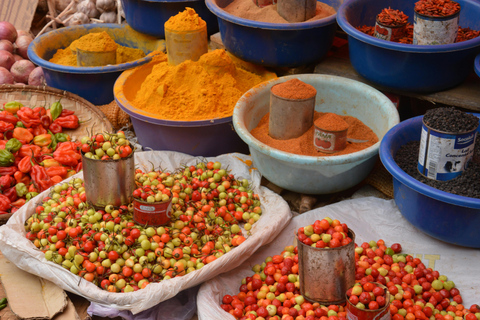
pixel 187 20
pixel 195 90
pixel 67 57
pixel 95 41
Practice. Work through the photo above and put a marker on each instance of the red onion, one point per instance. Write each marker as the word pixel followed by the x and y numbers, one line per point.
pixel 23 33
pixel 6 45
pixel 8 31
pixel 6 59
pixel 36 77
pixel 5 76
pixel 22 44
pixel 17 57
pixel 21 70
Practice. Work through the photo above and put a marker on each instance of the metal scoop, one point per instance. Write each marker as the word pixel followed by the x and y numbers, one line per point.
pixel 356 140
pixel 96 58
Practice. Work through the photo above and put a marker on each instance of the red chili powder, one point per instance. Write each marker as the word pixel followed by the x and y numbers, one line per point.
pixel 294 89
pixel 331 122
pixel 303 145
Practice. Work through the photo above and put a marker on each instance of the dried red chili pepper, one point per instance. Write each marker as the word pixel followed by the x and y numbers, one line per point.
pixel 40 178
pixel 8 117
pixel 392 17
pixel 68 122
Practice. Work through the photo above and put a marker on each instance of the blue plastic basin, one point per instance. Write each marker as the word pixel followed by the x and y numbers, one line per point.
pixel 442 215
pixel 276 44
pixel 94 84
pixel 407 67
pixel 477 65
pixel 149 17
pixel 197 138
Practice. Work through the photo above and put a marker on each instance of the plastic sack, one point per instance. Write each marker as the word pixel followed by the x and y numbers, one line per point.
pixel 276 215
pixel 371 219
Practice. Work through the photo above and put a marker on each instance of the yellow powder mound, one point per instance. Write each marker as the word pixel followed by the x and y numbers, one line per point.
pixel 185 21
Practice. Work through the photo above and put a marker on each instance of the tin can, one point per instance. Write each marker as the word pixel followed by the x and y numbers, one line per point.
pixel 326 274
pixel 428 30
pixel 389 33
pixel 329 141
pixel 96 58
pixel 296 10
pixel 186 45
pixel 444 155
pixel 109 182
pixel 152 213
pixel 290 118
pixel 354 313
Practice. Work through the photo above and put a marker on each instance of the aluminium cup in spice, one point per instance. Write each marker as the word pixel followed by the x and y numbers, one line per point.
pixel 330 134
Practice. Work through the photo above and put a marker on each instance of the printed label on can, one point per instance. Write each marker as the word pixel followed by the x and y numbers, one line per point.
pixel 324 141
pixel 444 156
pixel 389 33
pixel 432 31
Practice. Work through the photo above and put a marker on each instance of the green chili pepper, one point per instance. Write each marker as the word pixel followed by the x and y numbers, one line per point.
pixel 2 306
pixel 31 195
pixel 21 189
pixel 55 110
pixel 12 106
pixel 61 137
pixel 20 124
pixel 3 301
pixel 6 158
pixel 13 145
pixel 54 142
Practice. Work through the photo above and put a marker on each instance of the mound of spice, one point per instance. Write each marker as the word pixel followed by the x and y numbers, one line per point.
pixel 392 17
pixel 98 42
pixel 450 120
pixel 294 89
pixel 303 145
pixel 194 90
pixel 331 122
pixel 247 9
pixel 437 8
pixel 185 21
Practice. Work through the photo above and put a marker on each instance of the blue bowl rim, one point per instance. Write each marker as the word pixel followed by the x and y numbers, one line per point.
pixel 126 106
pixel 389 162
pixel 167 0
pixel 264 149
pixel 81 70
pixel 477 64
pixel 351 31
pixel 222 14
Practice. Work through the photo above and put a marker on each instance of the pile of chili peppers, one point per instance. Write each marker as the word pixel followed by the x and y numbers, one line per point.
pixel 35 153
pixel 437 8
pixel 392 17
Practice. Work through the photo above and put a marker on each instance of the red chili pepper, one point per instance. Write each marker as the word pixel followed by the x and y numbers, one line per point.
pixel 11 194
pixel 57 171
pixel 6 182
pixel 46 121
pixel 22 134
pixel 21 177
pixel 55 128
pixel 68 122
pixel 28 117
pixel 40 178
pixel 79 167
pixel 4 203
pixel 3 143
pixel 20 202
pixel 39 130
pixel 66 112
pixel 27 150
pixel 67 154
pixel 6 126
pixel 8 170
pixel 41 111
pixel 25 165
pixel 8 117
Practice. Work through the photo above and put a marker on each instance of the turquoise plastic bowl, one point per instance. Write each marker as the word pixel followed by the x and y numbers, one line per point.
pixel 448 217
pixel 407 67
pixel 94 84
pixel 317 175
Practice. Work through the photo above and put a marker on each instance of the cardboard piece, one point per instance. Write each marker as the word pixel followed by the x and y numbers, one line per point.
pixel 31 297
pixel 18 12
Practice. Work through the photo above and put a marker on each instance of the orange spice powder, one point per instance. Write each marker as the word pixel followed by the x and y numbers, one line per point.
pixel 294 89
pixel 331 122
pixel 303 145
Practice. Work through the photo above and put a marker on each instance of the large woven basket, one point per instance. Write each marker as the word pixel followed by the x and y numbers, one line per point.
pixel 92 119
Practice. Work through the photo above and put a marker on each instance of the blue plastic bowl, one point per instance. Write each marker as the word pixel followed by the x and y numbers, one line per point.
pixel 206 138
pixel 442 215
pixel 477 65
pixel 94 84
pixel 407 67
pixel 149 17
pixel 276 44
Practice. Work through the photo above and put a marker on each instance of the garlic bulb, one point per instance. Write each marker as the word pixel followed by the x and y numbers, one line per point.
pixel 77 19
pixel 106 5
pixel 109 17
pixel 61 5
pixel 89 8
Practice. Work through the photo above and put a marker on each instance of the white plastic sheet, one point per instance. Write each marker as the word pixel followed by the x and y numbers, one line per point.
pixel 371 219
pixel 276 215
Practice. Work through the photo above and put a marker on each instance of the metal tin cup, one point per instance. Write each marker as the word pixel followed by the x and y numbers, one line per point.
pixel 329 141
pixel 186 45
pixel 96 58
pixel 290 118
pixel 389 33
pixel 151 213
pixel 326 274
pixel 109 182
pixel 354 313
pixel 444 155
pixel 296 10
pixel 428 30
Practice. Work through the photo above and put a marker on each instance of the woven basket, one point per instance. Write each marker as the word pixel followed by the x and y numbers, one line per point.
pixel 93 120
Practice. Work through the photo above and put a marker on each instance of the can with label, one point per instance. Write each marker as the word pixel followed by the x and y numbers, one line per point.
pixel 389 33
pixel 151 213
pixel 429 30
pixel 329 141
pixel 444 155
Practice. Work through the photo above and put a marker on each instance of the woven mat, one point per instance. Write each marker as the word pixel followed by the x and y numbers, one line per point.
pixel 381 179
pixel 93 120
